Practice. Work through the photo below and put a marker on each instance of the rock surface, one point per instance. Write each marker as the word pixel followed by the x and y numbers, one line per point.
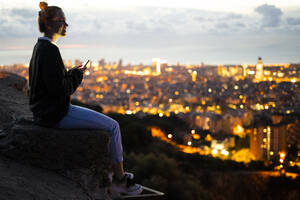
pixel 13 101
pixel 44 163
pixel 19 181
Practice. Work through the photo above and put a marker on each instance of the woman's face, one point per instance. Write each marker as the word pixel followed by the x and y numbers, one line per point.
pixel 60 22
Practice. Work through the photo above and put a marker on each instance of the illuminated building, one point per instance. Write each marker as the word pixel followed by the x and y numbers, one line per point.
pixel 157 62
pixel 267 137
pixel 120 63
pixel 259 70
pixel 77 62
pixel 69 64
pixel 209 121
pixel 101 62
pixel 225 144
pixel 194 76
pixel 245 72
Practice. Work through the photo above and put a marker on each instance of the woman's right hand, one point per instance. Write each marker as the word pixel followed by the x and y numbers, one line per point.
pixel 81 68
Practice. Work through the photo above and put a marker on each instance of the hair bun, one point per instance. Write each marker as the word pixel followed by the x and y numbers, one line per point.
pixel 43 5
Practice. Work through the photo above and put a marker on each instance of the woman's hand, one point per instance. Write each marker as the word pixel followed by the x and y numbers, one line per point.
pixel 81 68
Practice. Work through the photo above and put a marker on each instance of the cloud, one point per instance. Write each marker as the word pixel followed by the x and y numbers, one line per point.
pixel 23 13
pixel 222 26
pixel 241 25
pixel 140 33
pixel 142 27
pixel 18 23
pixel 140 21
pixel 232 16
pixel 271 15
pixel 293 21
pixel 200 19
pixel 136 26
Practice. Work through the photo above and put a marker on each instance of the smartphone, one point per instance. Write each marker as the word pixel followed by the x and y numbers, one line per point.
pixel 84 66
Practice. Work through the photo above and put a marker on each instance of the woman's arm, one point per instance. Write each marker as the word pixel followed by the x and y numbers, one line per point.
pixel 57 80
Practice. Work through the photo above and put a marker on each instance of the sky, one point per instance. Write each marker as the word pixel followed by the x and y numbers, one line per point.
pixel 189 31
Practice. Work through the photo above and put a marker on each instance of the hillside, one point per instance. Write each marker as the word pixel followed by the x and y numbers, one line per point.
pixel 21 181
pixel 155 164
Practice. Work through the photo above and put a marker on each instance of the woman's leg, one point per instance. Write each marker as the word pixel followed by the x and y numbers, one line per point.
pixel 80 117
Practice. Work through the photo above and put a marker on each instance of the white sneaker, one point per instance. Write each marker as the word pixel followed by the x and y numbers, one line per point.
pixel 129 175
pixel 126 186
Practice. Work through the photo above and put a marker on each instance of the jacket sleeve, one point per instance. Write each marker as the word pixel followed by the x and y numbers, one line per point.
pixel 57 80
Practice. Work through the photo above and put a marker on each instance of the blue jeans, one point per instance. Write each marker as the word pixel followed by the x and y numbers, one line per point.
pixel 80 117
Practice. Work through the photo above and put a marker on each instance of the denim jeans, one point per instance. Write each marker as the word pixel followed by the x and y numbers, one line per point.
pixel 80 117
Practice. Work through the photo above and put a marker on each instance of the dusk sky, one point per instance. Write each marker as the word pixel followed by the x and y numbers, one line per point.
pixel 189 31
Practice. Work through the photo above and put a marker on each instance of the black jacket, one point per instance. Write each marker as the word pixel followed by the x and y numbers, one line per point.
pixel 50 84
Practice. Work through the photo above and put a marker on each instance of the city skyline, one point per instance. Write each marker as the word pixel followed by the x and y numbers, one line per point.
pixel 218 102
pixel 137 31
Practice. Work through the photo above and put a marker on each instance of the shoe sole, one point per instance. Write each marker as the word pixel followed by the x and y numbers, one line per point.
pixel 136 192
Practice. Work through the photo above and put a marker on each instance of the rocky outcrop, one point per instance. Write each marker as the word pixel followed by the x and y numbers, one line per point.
pixel 25 182
pixel 81 155
pixel 46 163
pixel 13 101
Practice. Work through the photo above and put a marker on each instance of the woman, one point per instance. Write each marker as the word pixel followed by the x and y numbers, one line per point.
pixel 50 89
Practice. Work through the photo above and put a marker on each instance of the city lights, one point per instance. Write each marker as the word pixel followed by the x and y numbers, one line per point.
pixel 238 130
pixel 128 112
pixel 214 151
pixel 281 166
pixel 282 155
pixel 266 107
pixel 211 99
pixel 196 136
pixel 224 152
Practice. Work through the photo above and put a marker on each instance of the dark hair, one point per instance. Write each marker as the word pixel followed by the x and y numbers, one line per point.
pixel 46 15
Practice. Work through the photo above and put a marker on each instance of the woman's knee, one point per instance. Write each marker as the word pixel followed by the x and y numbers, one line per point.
pixel 111 125
pixel 115 125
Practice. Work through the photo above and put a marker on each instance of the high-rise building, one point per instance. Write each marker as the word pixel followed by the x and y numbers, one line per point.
pixel 267 137
pixel 156 62
pixel 194 76
pixel 120 63
pixel 245 72
pixel 69 64
pixel 259 70
pixel 77 62
pixel 101 62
